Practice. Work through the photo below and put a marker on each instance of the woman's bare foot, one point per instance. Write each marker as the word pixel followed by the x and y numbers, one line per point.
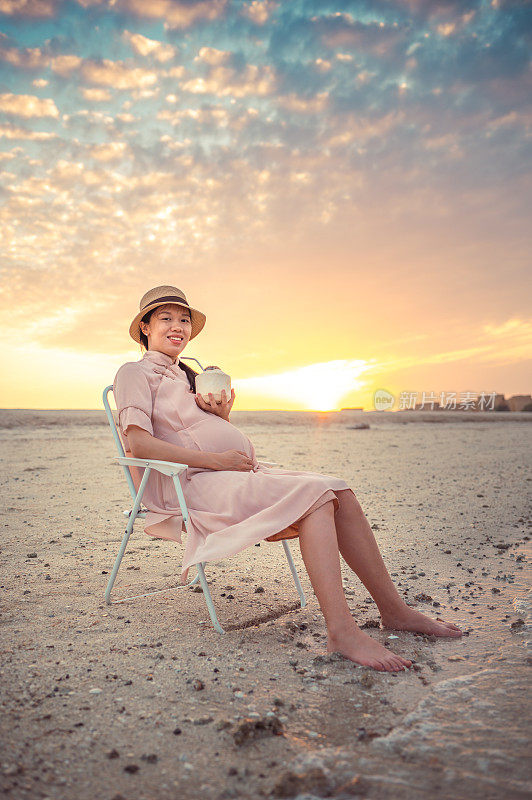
pixel 408 619
pixel 356 645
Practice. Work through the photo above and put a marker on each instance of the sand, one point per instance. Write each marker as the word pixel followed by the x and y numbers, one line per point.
pixel 145 700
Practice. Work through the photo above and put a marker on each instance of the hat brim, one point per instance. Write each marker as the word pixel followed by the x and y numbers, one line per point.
pixel 198 319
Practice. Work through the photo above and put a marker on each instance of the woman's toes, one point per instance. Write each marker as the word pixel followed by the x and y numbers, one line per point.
pixel 454 630
pixel 453 627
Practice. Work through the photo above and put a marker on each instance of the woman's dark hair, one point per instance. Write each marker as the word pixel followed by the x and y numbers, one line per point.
pixel 189 372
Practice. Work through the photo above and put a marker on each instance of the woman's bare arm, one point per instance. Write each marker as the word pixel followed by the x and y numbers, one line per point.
pixel 144 445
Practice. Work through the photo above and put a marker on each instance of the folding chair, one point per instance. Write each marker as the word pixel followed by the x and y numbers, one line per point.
pixel 173 471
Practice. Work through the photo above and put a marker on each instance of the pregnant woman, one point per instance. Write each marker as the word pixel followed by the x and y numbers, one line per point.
pixel 235 501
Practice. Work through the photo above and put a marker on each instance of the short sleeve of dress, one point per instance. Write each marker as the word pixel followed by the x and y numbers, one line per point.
pixel 133 398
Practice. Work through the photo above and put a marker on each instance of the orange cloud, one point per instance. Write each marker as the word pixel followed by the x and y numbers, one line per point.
pixel 96 95
pixel 117 74
pixel 212 56
pixel 104 72
pixel 113 151
pixel 302 105
pixel 259 11
pixel 65 64
pixel 149 47
pixel 27 105
pixel 175 14
pixel 24 58
pixel 253 80
pixel 322 65
pixel 12 132
pixel 29 8
pixel 353 128
pixel 218 116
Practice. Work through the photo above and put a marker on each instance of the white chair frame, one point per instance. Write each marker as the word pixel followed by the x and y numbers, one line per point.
pixel 173 471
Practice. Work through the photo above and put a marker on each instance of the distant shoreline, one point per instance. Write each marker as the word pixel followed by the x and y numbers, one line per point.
pixel 13 418
pixel 408 411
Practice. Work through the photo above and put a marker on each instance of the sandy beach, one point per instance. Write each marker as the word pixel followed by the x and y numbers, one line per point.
pixel 145 700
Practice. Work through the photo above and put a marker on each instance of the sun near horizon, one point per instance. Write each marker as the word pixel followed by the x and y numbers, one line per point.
pixel 48 378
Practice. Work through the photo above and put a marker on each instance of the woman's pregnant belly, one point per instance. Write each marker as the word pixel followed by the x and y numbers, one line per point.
pixel 214 434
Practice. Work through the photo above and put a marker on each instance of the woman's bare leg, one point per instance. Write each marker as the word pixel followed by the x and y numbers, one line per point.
pixel 319 548
pixel 357 545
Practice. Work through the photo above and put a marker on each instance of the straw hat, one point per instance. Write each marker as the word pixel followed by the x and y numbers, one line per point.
pixel 160 296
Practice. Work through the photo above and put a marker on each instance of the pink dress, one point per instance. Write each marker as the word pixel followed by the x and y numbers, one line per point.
pixel 229 509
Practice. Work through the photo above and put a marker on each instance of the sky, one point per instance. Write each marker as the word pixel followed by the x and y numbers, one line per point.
pixel 343 188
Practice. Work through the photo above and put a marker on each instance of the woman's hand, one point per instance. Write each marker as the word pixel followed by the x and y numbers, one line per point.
pixel 232 459
pixel 220 409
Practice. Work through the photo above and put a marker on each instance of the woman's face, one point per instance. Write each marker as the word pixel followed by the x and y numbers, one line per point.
pixel 168 330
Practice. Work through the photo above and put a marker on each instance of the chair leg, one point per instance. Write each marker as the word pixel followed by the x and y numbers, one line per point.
pixel 295 576
pixel 200 567
pixel 208 598
pixel 127 534
pixel 132 517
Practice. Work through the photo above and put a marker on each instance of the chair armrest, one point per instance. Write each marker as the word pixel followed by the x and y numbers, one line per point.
pixel 170 468
pixel 268 463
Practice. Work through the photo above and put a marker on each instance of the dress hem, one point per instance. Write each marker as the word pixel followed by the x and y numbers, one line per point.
pixel 235 545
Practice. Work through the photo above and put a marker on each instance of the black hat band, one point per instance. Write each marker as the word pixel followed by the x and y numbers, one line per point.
pixel 170 299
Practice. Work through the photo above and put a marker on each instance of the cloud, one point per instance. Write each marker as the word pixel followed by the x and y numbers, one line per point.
pixel 150 47
pixel 27 105
pixel 508 342
pixel 12 132
pixel 113 151
pixel 117 74
pixel 259 11
pixel 23 58
pixel 375 38
pixel 212 56
pixel 303 105
pixel 224 81
pixel 103 72
pixel 175 13
pixel 96 95
pixel 323 65
pixel 65 64
pixel 29 8
pixel 214 115
pixel 515 327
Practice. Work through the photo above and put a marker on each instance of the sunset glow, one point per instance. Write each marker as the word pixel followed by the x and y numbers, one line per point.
pixel 339 187
pixel 317 387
